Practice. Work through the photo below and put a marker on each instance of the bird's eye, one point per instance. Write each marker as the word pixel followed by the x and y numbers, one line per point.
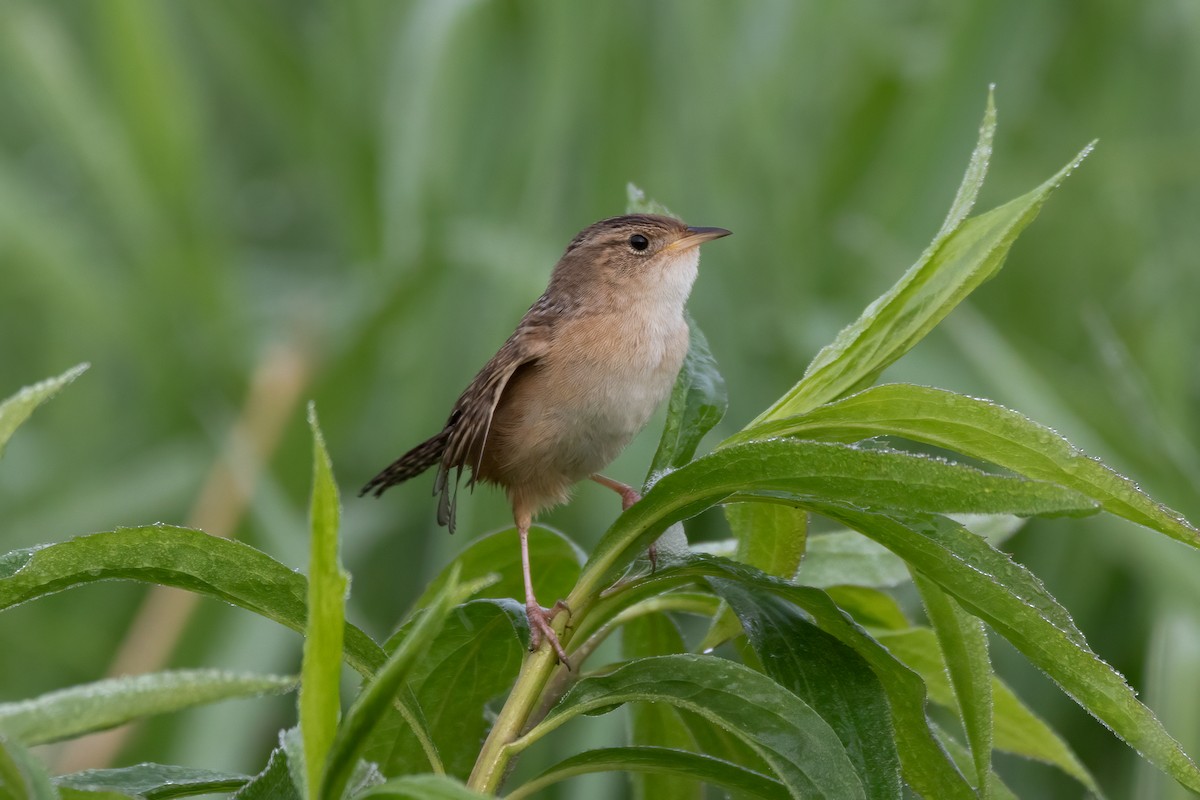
pixel 638 242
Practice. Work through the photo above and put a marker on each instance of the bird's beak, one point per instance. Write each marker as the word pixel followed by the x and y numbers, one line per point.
pixel 697 236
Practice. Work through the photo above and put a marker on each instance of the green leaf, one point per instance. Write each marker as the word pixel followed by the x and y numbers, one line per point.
pixel 962 756
pixel 421 787
pixel 273 783
pixel 377 696
pixel 984 430
pixel 674 766
pixel 925 765
pixel 473 660
pixel 21 776
pixel 227 570
pixel 17 408
pixel 105 704
pixel 154 781
pixel 1015 604
pixel 320 676
pixel 1018 730
pixel 791 470
pixel 972 182
pixel 870 608
pixel 828 675
pixel 555 561
pixel 799 746
pixel 964 642
pixel 953 266
pixel 698 403
pixel 656 724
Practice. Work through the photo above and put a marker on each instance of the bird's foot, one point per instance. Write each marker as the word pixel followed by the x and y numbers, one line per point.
pixel 539 627
pixel 629 496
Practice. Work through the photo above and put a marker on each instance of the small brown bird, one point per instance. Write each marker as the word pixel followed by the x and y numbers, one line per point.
pixel 581 375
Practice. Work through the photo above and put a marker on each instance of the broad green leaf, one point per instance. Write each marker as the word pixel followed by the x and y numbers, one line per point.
pixel 828 675
pixel 554 558
pixel 377 695
pixel 17 408
pixel 421 787
pixel 984 430
pixel 787 470
pixel 154 781
pixel 114 701
pixel 1018 730
pixel 953 266
pixel 925 765
pixel 698 402
pixel 800 747
pixel 71 793
pixel 21 776
pixel 656 724
pixel 320 677
pixel 273 783
pixel 674 766
pixel 474 659
pixel 964 643
pixel 227 570
pixel 1015 604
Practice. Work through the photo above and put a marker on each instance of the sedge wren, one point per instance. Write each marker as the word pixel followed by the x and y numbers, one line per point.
pixel 581 375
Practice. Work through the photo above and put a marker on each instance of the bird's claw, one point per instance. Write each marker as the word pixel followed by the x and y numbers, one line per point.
pixel 539 627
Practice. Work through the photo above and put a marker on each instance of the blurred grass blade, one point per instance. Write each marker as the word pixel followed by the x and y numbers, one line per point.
pixel 17 408
pixel 1018 729
pixel 676 765
pixel 946 273
pixel 320 675
pixel 421 787
pixel 21 776
pixel 799 746
pixel 984 430
pixel 787 470
pixel 377 695
pixel 924 764
pixel 154 781
pixel 105 704
pixel 227 570
pixel 964 643
pixel 474 659
pixel 698 402
pixel 1015 604
pixel 828 675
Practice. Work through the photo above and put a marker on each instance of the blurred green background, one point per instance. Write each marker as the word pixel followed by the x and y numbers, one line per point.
pixel 379 189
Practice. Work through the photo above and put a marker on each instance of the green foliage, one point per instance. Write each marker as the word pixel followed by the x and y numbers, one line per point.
pixel 825 686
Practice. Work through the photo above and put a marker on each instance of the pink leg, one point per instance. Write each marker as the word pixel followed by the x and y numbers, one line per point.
pixel 629 496
pixel 539 619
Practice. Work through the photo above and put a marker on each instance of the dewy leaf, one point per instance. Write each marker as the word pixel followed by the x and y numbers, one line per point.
pixel 698 402
pixel 800 747
pixel 17 408
pixel 964 642
pixel 154 781
pixel 1015 604
pixel 1018 729
pixel 376 697
pixel 828 675
pixel 115 701
pixel 674 766
pixel 794 470
pixel 984 430
pixel 952 267
pixel 972 182
pixel 320 675
pixel 273 783
pixel 230 571
pixel 925 765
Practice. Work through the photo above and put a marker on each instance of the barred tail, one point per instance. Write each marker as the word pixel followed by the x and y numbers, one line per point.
pixel 409 465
